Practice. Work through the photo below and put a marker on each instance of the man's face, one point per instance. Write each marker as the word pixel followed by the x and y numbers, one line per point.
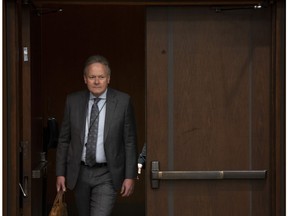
pixel 96 78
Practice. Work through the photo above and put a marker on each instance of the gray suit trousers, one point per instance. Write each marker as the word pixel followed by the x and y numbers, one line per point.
pixel 94 192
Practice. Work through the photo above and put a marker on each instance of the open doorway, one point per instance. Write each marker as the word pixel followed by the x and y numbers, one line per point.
pixel 61 42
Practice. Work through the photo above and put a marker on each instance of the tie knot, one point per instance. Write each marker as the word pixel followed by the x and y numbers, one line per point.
pixel 96 100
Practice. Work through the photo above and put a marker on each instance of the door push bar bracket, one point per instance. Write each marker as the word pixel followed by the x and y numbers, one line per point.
pixel 41 169
pixel 157 175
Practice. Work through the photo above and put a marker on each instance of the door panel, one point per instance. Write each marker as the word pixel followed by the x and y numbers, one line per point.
pixel 25 119
pixel 32 158
pixel 209 91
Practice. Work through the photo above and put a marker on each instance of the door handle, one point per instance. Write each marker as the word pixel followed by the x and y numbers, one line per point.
pixel 24 188
pixel 157 175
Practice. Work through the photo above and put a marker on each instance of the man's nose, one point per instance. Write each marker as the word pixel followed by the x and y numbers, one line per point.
pixel 96 80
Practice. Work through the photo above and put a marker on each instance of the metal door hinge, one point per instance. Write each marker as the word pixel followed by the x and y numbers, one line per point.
pixel 25 54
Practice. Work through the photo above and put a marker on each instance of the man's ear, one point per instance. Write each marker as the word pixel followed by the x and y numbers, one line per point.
pixel 85 79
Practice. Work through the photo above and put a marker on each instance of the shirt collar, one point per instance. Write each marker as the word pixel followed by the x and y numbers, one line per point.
pixel 102 96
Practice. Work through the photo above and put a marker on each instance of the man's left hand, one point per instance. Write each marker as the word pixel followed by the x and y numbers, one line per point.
pixel 127 187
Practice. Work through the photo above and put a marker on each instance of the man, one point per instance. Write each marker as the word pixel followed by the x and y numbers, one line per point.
pixel 97 157
pixel 142 159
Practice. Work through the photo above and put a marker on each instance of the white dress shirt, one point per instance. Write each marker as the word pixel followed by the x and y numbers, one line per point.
pixel 100 152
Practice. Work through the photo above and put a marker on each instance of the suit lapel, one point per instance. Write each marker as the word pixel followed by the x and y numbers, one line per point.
pixel 83 113
pixel 111 103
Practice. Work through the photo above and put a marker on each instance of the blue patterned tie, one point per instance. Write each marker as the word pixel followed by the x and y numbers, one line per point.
pixel 92 134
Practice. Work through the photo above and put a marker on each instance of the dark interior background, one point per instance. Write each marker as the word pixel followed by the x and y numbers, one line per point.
pixel 61 42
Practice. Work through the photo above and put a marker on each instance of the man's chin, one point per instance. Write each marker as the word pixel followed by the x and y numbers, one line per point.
pixel 96 93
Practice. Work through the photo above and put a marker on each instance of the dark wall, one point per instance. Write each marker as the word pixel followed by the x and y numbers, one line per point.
pixel 67 39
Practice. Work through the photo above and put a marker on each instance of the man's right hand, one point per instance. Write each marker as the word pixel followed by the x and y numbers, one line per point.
pixel 60 183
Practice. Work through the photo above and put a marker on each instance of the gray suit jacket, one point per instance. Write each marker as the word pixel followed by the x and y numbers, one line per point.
pixel 119 137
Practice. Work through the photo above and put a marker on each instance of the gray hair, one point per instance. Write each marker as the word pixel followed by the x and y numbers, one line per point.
pixel 97 59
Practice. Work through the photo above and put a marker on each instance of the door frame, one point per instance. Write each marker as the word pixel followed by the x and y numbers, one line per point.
pixel 12 90
pixel 16 109
pixel 11 112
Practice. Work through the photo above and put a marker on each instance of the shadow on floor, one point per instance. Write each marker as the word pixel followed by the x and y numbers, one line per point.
pixel 129 210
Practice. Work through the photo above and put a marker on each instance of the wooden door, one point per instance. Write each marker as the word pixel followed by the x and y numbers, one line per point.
pixel 32 158
pixel 209 112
